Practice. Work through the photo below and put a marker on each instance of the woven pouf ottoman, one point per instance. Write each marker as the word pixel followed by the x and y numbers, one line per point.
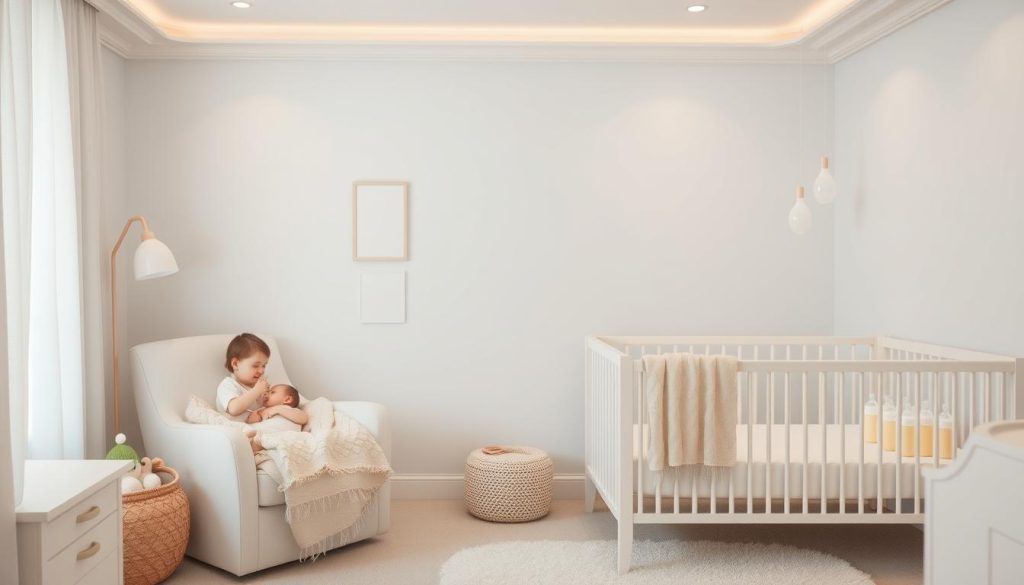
pixel 509 484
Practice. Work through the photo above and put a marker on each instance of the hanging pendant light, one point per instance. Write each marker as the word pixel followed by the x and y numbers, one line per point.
pixel 824 185
pixel 800 215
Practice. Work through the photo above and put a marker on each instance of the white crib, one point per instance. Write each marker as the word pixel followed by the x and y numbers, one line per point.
pixel 802 452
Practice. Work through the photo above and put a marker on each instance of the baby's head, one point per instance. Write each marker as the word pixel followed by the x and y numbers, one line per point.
pixel 281 394
pixel 247 358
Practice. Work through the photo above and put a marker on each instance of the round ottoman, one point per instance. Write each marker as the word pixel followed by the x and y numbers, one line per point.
pixel 509 484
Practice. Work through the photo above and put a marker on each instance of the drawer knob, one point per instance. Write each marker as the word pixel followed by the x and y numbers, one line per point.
pixel 92 550
pixel 88 514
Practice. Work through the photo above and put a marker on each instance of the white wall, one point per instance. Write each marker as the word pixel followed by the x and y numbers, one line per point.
pixel 929 236
pixel 549 201
pixel 116 212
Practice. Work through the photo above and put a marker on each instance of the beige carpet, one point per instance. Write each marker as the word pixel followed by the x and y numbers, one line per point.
pixel 655 562
pixel 424 534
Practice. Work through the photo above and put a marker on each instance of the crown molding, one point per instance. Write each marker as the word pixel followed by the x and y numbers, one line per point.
pixel 131 34
pixel 864 23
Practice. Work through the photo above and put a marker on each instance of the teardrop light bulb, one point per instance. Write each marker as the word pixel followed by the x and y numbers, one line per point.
pixel 824 185
pixel 800 215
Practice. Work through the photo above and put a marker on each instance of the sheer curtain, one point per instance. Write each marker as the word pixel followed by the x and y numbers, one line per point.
pixel 41 236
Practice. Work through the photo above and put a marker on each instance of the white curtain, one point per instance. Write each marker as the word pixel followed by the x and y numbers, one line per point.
pixel 41 236
pixel 82 36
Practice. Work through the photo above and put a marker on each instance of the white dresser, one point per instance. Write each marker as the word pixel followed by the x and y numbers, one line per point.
pixel 69 523
pixel 974 519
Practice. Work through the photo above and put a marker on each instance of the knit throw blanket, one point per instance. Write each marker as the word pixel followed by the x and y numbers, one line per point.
pixel 691 409
pixel 330 474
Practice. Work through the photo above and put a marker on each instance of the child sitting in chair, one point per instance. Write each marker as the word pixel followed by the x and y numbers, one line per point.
pixel 246 360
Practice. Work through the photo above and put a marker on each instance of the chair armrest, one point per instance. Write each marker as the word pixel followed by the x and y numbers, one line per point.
pixel 374 417
pixel 218 473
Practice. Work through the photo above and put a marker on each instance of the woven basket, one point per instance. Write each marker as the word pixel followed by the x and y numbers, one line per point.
pixel 511 485
pixel 156 527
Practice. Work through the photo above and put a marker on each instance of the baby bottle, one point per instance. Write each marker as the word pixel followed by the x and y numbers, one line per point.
pixel 909 425
pixel 927 429
pixel 871 419
pixel 889 425
pixel 945 433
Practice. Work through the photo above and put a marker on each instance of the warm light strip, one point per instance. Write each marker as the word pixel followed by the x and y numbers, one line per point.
pixel 174 29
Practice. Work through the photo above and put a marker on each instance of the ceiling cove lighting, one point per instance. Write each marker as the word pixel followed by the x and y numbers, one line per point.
pixel 241 5
pixel 697 8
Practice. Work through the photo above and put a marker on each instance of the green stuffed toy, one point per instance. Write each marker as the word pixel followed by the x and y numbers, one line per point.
pixel 121 450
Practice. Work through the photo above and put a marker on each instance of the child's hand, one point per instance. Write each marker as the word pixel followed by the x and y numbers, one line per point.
pixel 255 416
pixel 261 386
pixel 272 411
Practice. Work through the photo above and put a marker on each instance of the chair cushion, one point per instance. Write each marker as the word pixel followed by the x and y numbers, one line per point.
pixel 268 490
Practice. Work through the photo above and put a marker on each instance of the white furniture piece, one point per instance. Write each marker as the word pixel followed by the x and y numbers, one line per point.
pixel 238 515
pixel 803 455
pixel 69 523
pixel 974 525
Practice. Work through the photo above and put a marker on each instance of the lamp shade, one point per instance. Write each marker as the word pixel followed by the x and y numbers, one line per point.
pixel 153 259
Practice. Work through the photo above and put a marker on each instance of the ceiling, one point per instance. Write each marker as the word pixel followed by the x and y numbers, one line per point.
pixel 739 30
pixel 788 15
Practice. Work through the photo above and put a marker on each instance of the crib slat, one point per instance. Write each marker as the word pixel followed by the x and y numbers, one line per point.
pixel 750 441
pixel 769 426
pixel 860 444
pixel 675 491
pixel 824 435
pixel 899 443
pixel 786 470
pixel 842 443
pixel 805 472
pixel 877 379
pixel 642 448
pixel 917 442
pixel 970 405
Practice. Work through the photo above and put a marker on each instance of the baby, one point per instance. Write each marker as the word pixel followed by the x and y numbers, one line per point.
pixel 277 414
pixel 280 399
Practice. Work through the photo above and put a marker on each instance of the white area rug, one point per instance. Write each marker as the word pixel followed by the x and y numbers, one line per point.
pixel 654 563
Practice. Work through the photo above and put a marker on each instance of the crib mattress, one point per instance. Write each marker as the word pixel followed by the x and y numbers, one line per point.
pixel 767 470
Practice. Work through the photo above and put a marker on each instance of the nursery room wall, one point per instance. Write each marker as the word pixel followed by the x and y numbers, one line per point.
pixel 549 201
pixel 928 234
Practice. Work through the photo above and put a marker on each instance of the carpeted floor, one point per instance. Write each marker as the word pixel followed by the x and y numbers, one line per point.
pixel 425 533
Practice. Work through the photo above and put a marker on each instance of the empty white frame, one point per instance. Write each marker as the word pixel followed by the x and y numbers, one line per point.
pixel 380 220
pixel 382 297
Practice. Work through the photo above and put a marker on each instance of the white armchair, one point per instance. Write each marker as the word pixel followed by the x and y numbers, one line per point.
pixel 238 520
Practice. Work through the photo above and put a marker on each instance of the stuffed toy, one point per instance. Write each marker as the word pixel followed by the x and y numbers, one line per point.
pixel 142 476
pixel 121 450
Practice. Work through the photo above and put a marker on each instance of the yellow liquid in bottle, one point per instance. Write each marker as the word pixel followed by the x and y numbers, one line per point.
pixel 927 440
pixel 908 441
pixel 945 442
pixel 871 428
pixel 889 435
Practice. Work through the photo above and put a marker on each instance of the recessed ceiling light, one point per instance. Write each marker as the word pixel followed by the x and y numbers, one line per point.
pixel 697 8
pixel 241 5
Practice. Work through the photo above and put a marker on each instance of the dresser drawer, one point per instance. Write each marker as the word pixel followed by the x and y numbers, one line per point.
pixel 105 574
pixel 70 525
pixel 85 553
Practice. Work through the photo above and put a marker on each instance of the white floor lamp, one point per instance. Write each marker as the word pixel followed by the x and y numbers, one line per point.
pixel 153 259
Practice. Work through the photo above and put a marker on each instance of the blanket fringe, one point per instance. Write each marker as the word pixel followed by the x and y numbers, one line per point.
pixel 327 504
pixel 316 550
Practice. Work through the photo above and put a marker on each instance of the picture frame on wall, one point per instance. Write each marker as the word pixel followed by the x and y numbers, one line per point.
pixel 380 221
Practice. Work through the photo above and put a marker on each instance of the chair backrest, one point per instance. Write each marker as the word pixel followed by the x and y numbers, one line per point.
pixel 166 373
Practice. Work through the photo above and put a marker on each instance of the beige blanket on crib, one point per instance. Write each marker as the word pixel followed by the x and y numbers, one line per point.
pixel 691 409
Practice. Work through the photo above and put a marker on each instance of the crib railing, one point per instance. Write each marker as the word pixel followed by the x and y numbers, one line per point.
pixel 802 383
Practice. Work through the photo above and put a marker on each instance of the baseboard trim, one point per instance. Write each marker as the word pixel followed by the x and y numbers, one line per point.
pixel 416 486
